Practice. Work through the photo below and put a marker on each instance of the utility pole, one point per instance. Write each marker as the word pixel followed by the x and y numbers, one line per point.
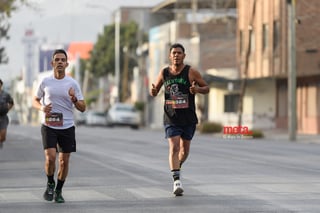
pixel 117 53
pixel 292 79
pixel 125 82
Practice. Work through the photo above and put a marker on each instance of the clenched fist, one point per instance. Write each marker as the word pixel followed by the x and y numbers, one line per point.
pixel 154 90
pixel 193 88
pixel 72 95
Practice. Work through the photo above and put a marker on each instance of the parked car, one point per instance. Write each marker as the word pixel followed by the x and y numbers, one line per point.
pixel 80 117
pixel 95 118
pixel 122 114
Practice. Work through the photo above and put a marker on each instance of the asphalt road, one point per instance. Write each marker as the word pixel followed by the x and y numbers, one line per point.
pixel 124 170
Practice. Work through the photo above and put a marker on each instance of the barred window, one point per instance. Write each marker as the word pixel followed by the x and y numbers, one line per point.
pixel 231 102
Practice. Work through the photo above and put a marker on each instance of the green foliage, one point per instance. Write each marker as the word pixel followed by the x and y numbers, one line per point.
pixel 102 57
pixel 139 105
pixel 102 60
pixel 6 9
pixel 92 96
pixel 210 127
pixel 256 133
pixel 82 69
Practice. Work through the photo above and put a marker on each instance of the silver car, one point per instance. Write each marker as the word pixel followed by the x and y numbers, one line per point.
pixel 95 118
pixel 122 114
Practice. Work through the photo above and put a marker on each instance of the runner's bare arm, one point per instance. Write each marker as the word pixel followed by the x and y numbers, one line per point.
pixel 37 105
pixel 155 87
pixel 80 105
pixel 198 84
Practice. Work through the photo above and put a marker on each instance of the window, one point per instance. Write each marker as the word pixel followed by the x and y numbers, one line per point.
pixel 252 41
pixel 276 34
pixel 231 102
pixel 241 42
pixel 264 37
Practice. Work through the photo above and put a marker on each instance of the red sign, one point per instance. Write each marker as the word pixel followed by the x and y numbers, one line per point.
pixel 236 130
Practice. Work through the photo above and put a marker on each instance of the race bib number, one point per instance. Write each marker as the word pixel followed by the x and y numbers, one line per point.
pixel 178 102
pixel 54 119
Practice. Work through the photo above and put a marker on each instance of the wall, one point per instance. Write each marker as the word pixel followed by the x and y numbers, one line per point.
pixel 259 105
pixel 264 103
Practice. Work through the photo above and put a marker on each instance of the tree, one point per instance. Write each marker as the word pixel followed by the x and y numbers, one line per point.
pixel 102 61
pixel 6 9
pixel 102 56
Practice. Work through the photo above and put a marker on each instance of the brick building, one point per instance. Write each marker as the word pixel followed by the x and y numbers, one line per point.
pixel 268 56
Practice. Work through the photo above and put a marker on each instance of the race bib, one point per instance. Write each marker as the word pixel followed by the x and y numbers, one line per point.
pixel 54 119
pixel 178 102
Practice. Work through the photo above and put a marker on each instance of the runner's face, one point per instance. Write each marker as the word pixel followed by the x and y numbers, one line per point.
pixel 59 62
pixel 177 56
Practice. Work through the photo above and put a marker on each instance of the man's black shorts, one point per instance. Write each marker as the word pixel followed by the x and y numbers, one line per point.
pixel 62 139
pixel 186 132
pixel 4 121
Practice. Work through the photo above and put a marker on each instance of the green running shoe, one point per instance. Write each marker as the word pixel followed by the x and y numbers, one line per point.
pixel 58 197
pixel 48 194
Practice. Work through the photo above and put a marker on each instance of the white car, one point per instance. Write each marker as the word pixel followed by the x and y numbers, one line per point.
pixel 80 117
pixel 95 118
pixel 122 114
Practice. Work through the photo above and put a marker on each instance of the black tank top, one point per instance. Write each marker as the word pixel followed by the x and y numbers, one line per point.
pixel 179 105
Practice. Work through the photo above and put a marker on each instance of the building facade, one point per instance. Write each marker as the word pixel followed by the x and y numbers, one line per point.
pixel 262 53
pixel 207 29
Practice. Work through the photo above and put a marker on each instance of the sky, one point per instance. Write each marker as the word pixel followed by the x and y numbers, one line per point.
pixel 59 21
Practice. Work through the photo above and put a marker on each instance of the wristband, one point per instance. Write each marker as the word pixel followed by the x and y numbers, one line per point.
pixel 74 100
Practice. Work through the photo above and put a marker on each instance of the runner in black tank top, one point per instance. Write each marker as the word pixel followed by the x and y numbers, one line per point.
pixel 179 107
pixel 181 83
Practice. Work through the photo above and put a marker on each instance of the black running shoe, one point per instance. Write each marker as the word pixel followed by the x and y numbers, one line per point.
pixel 48 194
pixel 58 197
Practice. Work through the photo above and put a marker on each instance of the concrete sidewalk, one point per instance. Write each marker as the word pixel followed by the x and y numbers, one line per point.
pixel 282 135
